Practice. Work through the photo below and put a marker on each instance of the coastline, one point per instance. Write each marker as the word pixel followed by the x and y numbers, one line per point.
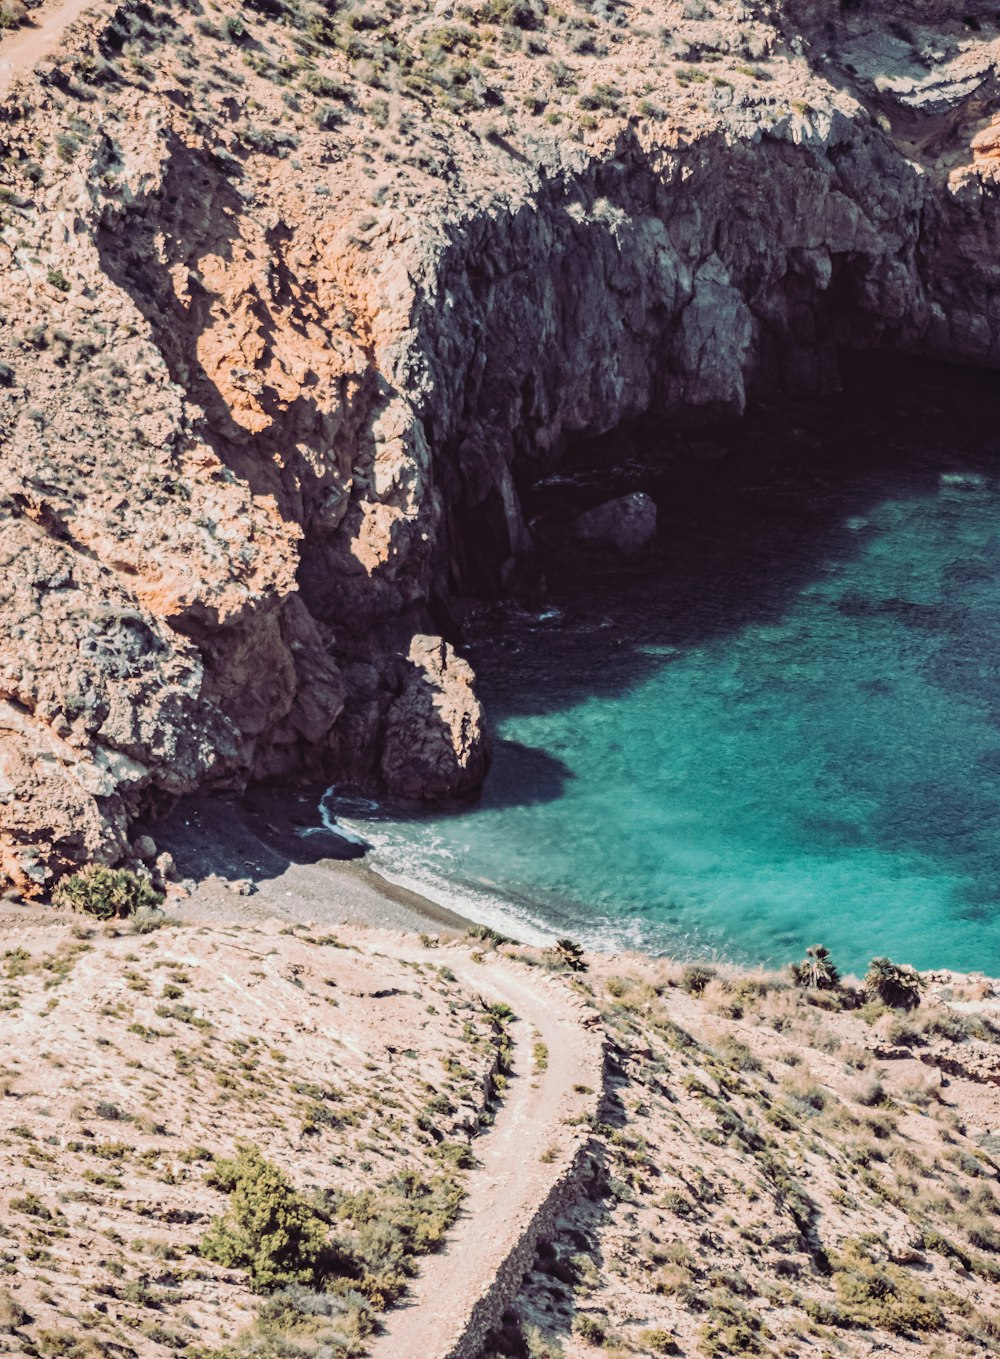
pixel 220 841
pixel 244 853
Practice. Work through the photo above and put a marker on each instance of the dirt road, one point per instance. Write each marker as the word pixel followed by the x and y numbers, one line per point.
pixel 512 1179
pixel 23 48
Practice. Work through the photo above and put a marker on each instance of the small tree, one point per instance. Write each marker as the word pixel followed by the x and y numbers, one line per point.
pixel 817 970
pixel 268 1228
pixel 107 893
pixel 894 984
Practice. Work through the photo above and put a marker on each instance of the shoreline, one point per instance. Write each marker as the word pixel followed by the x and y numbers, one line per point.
pixel 223 842
pixel 220 840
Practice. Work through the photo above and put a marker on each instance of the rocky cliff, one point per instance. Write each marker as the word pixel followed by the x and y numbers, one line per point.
pixel 295 296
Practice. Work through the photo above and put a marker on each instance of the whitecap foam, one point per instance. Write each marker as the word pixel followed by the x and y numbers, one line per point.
pixel 334 828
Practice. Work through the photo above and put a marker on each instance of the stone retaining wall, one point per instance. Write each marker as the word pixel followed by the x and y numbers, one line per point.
pixel 575 1180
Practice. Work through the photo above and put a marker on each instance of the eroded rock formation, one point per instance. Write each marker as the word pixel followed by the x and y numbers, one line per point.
pixel 272 377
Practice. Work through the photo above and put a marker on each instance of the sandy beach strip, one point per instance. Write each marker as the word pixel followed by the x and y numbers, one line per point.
pixel 221 840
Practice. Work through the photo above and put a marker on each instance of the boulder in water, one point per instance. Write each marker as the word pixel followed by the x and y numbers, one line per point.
pixel 436 743
pixel 627 524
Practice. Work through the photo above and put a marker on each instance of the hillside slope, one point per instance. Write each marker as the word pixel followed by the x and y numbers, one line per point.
pixel 231 1137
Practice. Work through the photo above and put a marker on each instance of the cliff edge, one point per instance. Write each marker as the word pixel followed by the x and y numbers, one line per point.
pixel 295 296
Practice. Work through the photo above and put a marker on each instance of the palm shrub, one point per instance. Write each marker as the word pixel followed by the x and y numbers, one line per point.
pixel 817 970
pixel 894 984
pixel 268 1228
pixel 107 893
pixel 694 979
pixel 570 954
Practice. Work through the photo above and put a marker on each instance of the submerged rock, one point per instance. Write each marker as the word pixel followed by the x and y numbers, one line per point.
pixel 627 524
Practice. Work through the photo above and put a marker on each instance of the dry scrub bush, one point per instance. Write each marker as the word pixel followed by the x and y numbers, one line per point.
pixel 12 13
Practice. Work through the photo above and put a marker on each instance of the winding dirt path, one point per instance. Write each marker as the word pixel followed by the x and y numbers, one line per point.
pixel 23 48
pixel 512 1180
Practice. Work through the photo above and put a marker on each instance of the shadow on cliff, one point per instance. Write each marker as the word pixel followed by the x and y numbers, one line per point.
pixel 154 252
pixel 749 515
pixel 258 835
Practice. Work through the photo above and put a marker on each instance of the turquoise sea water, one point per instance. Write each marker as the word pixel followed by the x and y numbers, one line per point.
pixel 782 729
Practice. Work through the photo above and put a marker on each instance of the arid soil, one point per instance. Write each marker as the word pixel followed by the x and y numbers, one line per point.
pixel 131 1062
pixel 766 1170
pixel 784 1177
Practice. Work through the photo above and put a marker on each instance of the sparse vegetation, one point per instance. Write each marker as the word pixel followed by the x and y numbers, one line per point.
pixel 894 984
pixel 107 893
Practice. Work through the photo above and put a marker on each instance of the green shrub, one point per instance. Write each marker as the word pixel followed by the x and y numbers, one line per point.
pixel 336 1323
pixel 587 1328
pixel 730 1328
pixel 983 1236
pixel 601 97
pixel 107 893
pixel 487 934
pixel 12 13
pixel 660 1342
pixel 33 1206
pixel 956 1027
pixel 325 88
pixel 894 984
pixel 378 112
pixel 388 1227
pixel 12 1314
pixel 514 12
pixel 881 1294
pixel 268 1228
pixel 457 1154
pixel 66 145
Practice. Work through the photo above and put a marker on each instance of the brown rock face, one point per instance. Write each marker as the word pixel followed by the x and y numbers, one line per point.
pixel 272 371
pixel 435 739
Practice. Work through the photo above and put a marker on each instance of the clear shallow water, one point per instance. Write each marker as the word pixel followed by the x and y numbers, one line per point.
pixel 783 730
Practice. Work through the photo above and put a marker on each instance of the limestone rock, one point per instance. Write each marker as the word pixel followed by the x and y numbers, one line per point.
pixel 144 848
pixel 435 740
pixel 628 524
pixel 166 869
pixel 255 426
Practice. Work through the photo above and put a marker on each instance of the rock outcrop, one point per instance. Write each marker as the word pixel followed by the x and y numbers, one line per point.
pixel 258 426
pixel 435 743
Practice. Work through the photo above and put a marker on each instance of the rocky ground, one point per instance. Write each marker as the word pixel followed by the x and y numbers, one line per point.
pixel 133 1063
pixel 757 1168
pixel 298 297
